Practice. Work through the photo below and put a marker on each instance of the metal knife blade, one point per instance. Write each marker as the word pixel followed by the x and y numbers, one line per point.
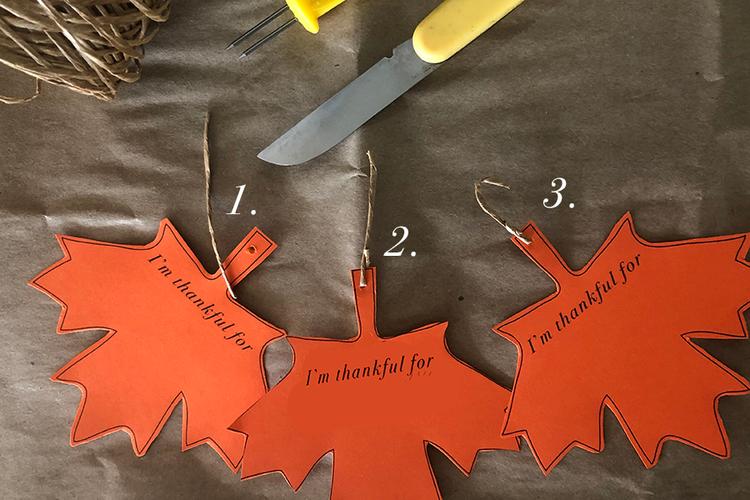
pixel 338 117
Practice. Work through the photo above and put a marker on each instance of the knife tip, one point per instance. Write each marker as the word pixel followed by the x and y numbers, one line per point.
pixel 268 158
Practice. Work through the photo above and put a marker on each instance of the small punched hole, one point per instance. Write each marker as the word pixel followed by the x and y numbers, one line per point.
pixel 251 249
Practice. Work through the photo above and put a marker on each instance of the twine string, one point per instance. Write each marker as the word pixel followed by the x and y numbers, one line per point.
pixel 87 46
pixel 207 171
pixel 483 205
pixel 364 262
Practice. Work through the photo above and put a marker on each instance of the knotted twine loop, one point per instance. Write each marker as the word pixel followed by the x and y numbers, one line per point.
pixel 364 262
pixel 207 171
pixel 21 100
pixel 482 204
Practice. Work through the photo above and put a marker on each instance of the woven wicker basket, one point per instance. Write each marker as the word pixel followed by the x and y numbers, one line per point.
pixel 87 45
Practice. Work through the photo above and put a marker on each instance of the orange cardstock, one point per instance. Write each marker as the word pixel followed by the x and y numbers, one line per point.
pixel 376 403
pixel 173 334
pixel 618 333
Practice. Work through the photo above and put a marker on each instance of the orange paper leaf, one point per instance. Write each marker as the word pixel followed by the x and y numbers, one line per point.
pixel 174 334
pixel 618 333
pixel 376 403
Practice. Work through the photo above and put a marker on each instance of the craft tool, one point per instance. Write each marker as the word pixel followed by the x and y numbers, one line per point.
pixel 306 12
pixel 443 33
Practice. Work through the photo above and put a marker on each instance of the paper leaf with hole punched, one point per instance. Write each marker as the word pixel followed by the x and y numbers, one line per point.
pixel 618 333
pixel 174 334
pixel 376 403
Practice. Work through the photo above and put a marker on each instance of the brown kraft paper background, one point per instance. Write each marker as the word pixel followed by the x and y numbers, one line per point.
pixel 639 105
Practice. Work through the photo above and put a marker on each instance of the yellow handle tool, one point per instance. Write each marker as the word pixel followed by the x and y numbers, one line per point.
pixel 455 24
pixel 306 12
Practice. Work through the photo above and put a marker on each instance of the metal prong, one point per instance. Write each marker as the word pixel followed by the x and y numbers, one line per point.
pixel 268 37
pixel 258 26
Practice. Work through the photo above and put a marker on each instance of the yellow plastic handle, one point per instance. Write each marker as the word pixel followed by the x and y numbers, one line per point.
pixel 455 24
pixel 307 12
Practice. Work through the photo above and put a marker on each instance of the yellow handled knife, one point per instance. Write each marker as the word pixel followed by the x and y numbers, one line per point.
pixel 443 33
